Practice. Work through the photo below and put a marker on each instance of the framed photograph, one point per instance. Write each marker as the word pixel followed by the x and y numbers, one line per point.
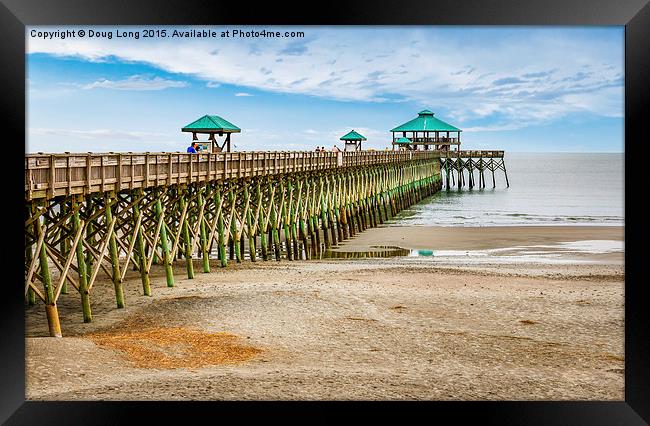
pixel 404 209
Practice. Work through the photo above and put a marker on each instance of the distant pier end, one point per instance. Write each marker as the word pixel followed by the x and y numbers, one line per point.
pixel 429 133
pixel 454 164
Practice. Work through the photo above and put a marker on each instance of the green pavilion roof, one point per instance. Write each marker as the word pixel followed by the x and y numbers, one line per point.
pixel 353 136
pixel 211 123
pixel 426 122
pixel 403 140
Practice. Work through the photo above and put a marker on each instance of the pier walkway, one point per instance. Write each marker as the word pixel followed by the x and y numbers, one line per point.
pixel 52 175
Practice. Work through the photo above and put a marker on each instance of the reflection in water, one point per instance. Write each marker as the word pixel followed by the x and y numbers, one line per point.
pixel 321 252
pixel 392 252
pixel 389 251
pixel 538 253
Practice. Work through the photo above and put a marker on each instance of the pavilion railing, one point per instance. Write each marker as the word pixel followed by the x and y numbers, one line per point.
pixel 433 140
pixel 440 141
pixel 52 175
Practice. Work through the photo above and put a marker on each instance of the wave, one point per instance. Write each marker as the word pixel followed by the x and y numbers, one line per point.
pixel 506 219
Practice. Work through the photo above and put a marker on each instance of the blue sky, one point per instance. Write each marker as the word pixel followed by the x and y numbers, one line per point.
pixel 525 89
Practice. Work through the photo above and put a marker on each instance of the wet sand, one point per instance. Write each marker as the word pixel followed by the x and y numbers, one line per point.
pixel 477 238
pixel 382 328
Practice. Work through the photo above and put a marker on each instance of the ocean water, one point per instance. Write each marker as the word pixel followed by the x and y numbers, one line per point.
pixel 545 189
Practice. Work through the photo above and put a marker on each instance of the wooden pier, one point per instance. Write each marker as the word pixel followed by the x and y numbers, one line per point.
pixel 117 214
pixel 454 164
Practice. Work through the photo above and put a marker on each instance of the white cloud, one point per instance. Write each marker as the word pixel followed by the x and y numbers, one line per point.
pixel 376 139
pixel 524 77
pixel 135 82
pixel 41 139
pixel 243 94
pixel 606 102
pixel 94 134
pixel 494 128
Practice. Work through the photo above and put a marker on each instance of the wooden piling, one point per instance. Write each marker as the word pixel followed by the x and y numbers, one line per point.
pixel 240 250
pixel 143 265
pixel 221 228
pixel 323 212
pixel 90 229
pixel 291 217
pixel 64 247
pixel 494 184
pixel 203 234
pixel 82 267
pixel 31 295
pixel 252 243
pixel 114 254
pixel 311 229
pixel 30 210
pixel 51 310
pixel 262 224
pixel 164 244
pixel 285 223
pixel 274 217
pixel 185 232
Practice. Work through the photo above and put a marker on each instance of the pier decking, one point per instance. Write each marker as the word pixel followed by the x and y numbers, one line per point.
pixel 52 175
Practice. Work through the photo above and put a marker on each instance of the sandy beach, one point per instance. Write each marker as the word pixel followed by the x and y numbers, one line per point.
pixel 522 324
pixel 477 238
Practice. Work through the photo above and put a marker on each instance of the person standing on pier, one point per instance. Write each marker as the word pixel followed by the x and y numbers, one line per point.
pixel 193 148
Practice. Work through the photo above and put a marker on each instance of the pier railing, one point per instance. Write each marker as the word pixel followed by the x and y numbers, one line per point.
pixel 471 154
pixel 52 175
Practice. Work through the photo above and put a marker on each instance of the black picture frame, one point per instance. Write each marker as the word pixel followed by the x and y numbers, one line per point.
pixel 634 14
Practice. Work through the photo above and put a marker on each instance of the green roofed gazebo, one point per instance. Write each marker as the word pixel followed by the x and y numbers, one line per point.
pixel 427 130
pixel 353 138
pixel 211 125
pixel 404 143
